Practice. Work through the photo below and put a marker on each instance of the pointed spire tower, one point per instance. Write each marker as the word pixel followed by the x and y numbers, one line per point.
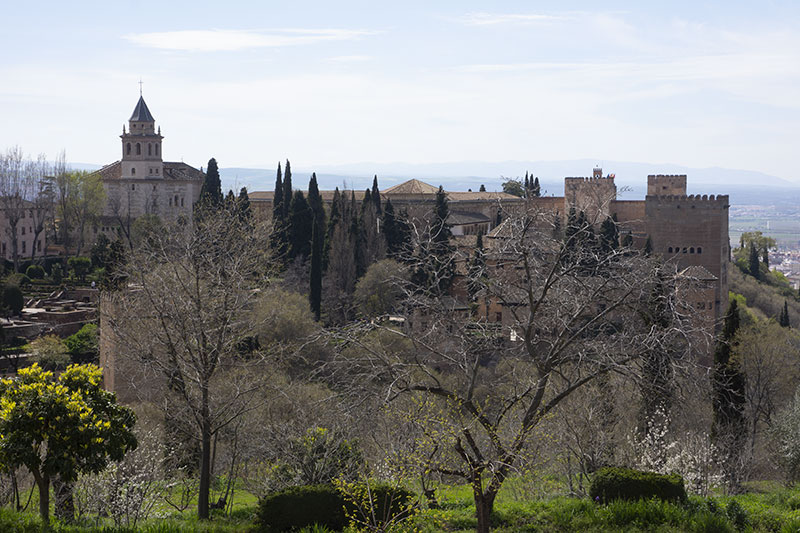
pixel 141 145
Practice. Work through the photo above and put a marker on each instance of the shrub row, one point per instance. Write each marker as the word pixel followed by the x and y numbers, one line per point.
pixel 298 507
pixel 612 483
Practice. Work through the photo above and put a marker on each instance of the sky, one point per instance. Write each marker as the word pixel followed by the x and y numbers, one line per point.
pixel 693 83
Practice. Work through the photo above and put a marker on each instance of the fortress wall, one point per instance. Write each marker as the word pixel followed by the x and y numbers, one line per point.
pixel 630 215
pixel 666 184
pixel 692 230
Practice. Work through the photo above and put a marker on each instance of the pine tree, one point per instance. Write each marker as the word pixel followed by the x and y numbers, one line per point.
pixel 784 318
pixel 376 196
pixel 211 191
pixel 300 225
pixel 537 189
pixel 754 263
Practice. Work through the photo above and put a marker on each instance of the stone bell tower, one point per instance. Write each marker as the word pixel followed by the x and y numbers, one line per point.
pixel 141 146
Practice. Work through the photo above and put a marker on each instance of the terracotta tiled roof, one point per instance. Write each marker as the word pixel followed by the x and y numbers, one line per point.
pixel 458 218
pixel 411 187
pixel 181 171
pixel 697 272
pixel 172 171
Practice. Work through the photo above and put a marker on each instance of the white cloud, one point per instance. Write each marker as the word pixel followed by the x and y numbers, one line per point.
pixel 489 19
pixel 230 40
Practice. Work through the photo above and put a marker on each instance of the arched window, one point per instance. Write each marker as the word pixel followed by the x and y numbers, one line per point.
pixel 149 149
pixel 699 250
pixel 133 171
pixel 128 148
pixel 669 250
pixel 156 149
pixel 138 149
pixel 691 250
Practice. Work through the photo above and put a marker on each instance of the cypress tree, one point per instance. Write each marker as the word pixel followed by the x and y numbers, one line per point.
pixel 765 257
pixel 245 209
pixel 300 225
pixel 754 263
pixel 278 239
pixel 211 191
pixel 609 236
pixel 376 196
pixel 476 269
pixel 648 246
pixel 390 230
pixel 441 250
pixel 288 193
pixel 784 318
pixel 528 185
pixel 537 189
pixel 728 401
pixel 230 199
pixel 333 220
pixel 483 188
pixel 315 292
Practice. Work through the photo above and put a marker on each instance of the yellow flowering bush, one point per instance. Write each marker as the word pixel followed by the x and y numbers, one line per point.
pixel 61 426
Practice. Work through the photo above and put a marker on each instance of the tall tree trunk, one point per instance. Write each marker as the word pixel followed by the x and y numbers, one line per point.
pixel 43 482
pixel 484 503
pixel 205 458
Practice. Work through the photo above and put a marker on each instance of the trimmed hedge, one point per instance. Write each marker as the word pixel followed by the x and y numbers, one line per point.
pixel 611 483
pixel 298 507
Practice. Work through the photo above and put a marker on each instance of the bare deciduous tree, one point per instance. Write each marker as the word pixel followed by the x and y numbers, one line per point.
pixel 185 321
pixel 559 316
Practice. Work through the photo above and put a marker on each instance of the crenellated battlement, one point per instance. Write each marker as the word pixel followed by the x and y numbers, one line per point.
pixel 719 201
pixel 601 179
pixel 666 184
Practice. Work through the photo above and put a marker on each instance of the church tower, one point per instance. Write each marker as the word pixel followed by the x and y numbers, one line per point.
pixel 141 145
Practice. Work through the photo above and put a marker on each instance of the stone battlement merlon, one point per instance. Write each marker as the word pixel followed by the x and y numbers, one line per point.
pixel 719 201
pixel 590 179
pixel 659 176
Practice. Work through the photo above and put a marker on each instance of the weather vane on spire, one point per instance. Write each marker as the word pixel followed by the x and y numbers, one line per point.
pixel 140 86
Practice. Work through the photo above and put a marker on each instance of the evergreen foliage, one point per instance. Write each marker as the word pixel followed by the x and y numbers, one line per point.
pixel 609 235
pixel 317 245
pixel 728 402
pixel 278 237
pixel 245 209
pixel 784 318
pixel 536 189
pixel 288 192
pixel 754 263
pixel 211 191
pixel 483 188
pixel 376 195
pixel 609 484
pixel 435 268
pixel 61 427
pixel 333 219
pixel 648 246
pixel 397 232
pixel 300 225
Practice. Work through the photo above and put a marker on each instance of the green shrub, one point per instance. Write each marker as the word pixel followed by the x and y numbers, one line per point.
pixel 331 507
pixel 20 280
pixel 84 342
pixel 737 515
pixel 34 272
pixel 299 507
pixel 80 267
pixel 378 508
pixel 610 484
pixel 57 273
pixel 13 299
